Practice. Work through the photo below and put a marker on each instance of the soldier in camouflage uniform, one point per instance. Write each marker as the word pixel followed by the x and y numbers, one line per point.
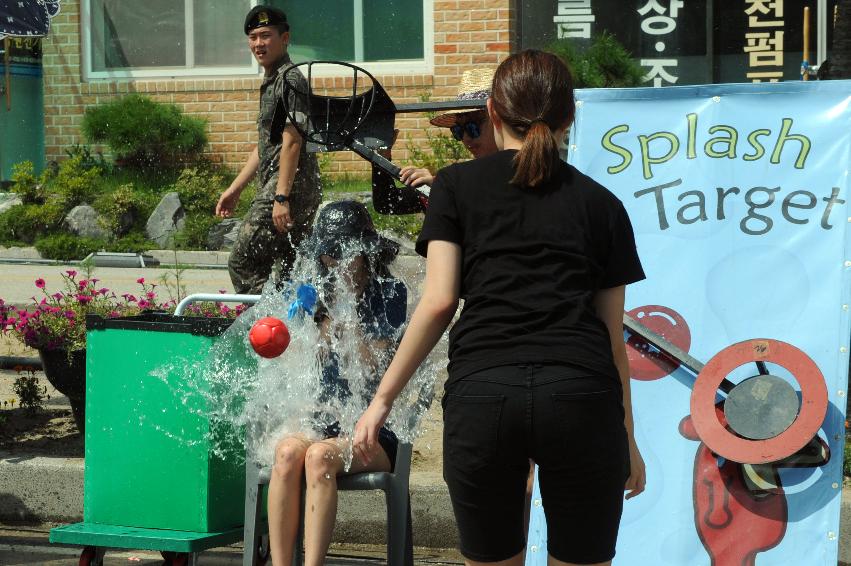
pixel 289 191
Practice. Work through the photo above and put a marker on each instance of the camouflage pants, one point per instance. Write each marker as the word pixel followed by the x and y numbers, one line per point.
pixel 259 247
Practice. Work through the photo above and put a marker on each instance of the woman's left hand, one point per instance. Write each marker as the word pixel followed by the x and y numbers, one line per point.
pixel 637 474
pixel 366 430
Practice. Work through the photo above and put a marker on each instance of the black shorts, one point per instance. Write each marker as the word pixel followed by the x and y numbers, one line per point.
pixel 570 424
pixel 386 438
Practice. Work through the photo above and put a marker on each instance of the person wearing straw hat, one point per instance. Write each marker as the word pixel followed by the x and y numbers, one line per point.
pixel 470 127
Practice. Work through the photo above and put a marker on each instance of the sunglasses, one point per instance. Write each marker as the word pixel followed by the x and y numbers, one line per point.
pixel 472 128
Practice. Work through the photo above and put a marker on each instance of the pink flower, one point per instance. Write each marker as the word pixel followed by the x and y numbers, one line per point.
pixel 71 273
pixel 94 280
pixel 103 291
pixel 143 304
pixel 40 283
pixel 82 284
pixel 140 281
pixel 70 314
pixel 151 295
pixel 57 296
pixel 129 298
pixel 84 299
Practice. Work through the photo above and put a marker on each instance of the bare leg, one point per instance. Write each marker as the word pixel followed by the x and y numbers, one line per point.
pixel 285 497
pixel 530 487
pixel 323 462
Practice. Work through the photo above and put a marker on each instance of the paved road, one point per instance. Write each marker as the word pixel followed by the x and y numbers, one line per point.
pixel 17 281
pixel 26 545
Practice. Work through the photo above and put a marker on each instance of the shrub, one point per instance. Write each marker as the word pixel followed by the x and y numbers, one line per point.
pixel 74 184
pixel 407 225
pixel 88 160
pixel 193 236
pixel 604 64
pixel 199 190
pixel 25 222
pixel 65 247
pixel 140 131
pixel 25 184
pixel 134 242
pixel 115 206
pixel 444 150
pixel 30 395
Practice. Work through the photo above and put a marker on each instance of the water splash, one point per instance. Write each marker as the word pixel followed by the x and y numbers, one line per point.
pixel 251 403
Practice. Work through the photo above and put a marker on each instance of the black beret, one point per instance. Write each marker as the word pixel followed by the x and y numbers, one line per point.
pixel 261 16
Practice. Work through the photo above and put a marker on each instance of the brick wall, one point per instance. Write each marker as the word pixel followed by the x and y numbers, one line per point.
pixel 467 34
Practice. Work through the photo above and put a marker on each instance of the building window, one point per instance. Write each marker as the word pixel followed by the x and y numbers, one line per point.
pixel 357 31
pixel 159 38
pixel 166 38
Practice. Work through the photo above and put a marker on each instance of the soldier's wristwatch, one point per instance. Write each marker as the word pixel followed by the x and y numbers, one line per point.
pixel 282 198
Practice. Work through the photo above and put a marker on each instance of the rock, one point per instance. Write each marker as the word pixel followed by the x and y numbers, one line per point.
pixel 223 235
pixel 83 221
pixel 8 200
pixel 167 219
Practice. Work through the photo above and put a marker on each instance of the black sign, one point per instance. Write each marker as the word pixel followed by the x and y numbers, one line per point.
pixel 22 50
pixel 26 18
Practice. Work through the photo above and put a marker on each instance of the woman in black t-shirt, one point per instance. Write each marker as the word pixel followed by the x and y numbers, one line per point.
pixel 537 364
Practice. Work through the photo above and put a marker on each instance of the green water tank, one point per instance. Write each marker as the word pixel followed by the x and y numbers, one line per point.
pixel 150 458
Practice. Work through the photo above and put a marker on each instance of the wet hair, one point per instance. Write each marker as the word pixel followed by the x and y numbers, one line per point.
pixel 533 95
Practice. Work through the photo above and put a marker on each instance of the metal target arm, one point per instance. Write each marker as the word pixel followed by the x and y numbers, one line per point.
pixel 672 352
pixel 375 158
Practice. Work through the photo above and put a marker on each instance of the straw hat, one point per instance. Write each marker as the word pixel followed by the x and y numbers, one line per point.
pixel 475 85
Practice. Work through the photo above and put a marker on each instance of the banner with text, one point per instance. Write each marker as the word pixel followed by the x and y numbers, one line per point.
pixel 738 195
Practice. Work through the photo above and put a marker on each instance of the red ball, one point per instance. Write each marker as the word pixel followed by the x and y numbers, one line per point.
pixel 269 337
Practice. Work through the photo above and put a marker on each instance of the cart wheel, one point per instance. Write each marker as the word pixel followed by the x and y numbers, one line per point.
pixel 91 557
pixel 263 552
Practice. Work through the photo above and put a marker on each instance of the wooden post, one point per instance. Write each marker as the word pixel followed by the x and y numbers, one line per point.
pixel 805 66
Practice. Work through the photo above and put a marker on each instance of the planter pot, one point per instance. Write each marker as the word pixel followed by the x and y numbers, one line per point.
pixel 67 373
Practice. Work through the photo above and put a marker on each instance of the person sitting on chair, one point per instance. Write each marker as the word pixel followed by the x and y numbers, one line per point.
pixel 349 253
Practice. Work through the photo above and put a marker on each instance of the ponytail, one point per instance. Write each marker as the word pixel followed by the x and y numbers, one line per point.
pixel 533 95
pixel 536 161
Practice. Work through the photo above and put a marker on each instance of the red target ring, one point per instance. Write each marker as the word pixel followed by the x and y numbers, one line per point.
pixel 725 443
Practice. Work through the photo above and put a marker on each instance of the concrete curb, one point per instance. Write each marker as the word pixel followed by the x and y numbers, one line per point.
pixel 42 489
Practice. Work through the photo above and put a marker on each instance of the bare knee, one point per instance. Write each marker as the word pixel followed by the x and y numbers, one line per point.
pixel 321 464
pixel 289 458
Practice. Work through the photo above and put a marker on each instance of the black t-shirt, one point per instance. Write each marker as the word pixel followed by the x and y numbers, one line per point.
pixel 532 261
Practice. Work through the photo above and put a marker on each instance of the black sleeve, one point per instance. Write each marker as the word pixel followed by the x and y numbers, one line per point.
pixel 441 219
pixel 390 199
pixel 621 266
